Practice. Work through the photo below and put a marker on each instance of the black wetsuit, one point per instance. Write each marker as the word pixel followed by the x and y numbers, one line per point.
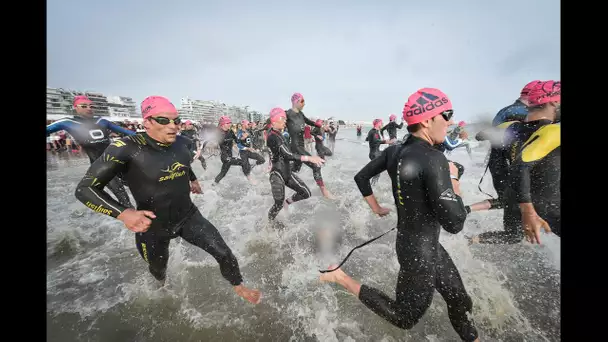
pixel 534 181
pixel 358 131
pixel 333 131
pixel 425 202
pixel 192 134
pixel 374 140
pixel 243 143
pixel 281 175
pixel 228 139
pixel 159 176
pixel 322 150
pixel 295 127
pixel 93 135
pixel 391 127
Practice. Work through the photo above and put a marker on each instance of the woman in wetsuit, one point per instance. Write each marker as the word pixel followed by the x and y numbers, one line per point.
pixel 317 133
pixel 295 126
pixel 374 139
pixel 427 196
pixel 246 152
pixel 391 127
pixel 280 174
pixel 158 170
pixel 227 141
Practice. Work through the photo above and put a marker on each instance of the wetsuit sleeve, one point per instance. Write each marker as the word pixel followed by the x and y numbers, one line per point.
pixel 374 167
pixel 115 128
pixel 449 144
pixel 400 126
pixel 447 206
pixel 384 129
pixel 90 190
pixel 309 122
pixel 539 145
pixel 55 127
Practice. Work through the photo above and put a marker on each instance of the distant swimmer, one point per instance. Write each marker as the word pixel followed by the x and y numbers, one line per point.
pixel 392 127
pixel 296 120
pixel 157 167
pixel 191 133
pixel 227 140
pixel 374 140
pixel 427 196
pixel 359 129
pixel 332 132
pixel 281 175
pixel 317 134
pixel 244 141
pixel 531 156
pixel 93 135
pixel 455 139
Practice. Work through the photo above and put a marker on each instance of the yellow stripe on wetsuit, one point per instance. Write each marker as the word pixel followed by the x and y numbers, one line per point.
pixel 541 143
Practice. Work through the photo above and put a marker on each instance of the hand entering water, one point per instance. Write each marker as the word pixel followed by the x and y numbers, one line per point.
pixel 252 296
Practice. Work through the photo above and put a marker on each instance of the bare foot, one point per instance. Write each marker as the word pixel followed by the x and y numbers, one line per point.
pixel 333 277
pixel 252 296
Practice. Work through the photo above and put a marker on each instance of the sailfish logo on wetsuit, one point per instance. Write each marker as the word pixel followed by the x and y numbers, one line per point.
pixel 174 172
pixel 424 105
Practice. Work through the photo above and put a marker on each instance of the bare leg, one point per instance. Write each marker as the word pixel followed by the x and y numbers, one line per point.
pixel 339 277
pixel 252 296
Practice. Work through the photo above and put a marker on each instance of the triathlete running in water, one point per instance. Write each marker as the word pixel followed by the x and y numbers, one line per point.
pixel 317 133
pixel 196 147
pixel 246 151
pixel 280 174
pixel 374 139
pixel 531 152
pixel 157 167
pixel 391 127
pixel 455 139
pixel 332 131
pixel 227 140
pixel 93 135
pixel 295 126
pixel 427 196
pixel 359 129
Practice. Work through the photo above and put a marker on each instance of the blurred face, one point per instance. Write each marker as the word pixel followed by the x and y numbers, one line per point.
pixel 163 127
pixel 300 104
pixel 85 109
pixel 438 126
pixel 225 127
pixel 279 124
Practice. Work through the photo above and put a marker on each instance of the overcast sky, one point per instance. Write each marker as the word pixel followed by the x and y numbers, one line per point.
pixel 356 60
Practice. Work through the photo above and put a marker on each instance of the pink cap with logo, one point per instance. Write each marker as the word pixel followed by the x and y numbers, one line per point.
pixel 296 97
pixel 425 104
pixel 527 88
pixel 154 105
pixel 276 114
pixel 544 92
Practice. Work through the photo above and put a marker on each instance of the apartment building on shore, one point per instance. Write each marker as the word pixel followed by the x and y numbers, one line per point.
pixel 59 104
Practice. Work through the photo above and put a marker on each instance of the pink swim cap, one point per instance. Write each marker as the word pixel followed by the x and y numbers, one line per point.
pixel 188 122
pixel 425 104
pixel 319 123
pixel 526 90
pixel 276 114
pixel 296 97
pixel 154 105
pixel 244 122
pixel 461 124
pixel 393 117
pixel 225 120
pixel 81 99
pixel 377 122
pixel 545 92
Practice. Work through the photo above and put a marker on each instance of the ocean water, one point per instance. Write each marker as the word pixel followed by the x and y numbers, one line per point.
pixel 99 288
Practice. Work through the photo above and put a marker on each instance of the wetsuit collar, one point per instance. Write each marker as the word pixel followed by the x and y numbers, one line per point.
pixel 157 145
pixel 412 139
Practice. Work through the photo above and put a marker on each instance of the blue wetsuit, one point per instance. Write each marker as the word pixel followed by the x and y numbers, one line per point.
pixel 243 143
pixel 93 135
pixel 514 112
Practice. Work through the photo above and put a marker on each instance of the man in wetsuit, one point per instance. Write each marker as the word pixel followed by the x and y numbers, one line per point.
pixel 455 139
pixel 190 132
pixel 427 196
pixel 227 139
pixel 530 157
pixel 374 139
pixel 93 135
pixel 317 134
pixel 332 131
pixel 359 128
pixel 157 167
pixel 295 126
pixel 391 127
pixel 246 152
pixel 280 174
pixel 518 110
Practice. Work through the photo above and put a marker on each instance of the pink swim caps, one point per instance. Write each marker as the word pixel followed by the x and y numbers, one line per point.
pixel 276 114
pixel 81 99
pixel 319 123
pixel 461 124
pixel 154 105
pixel 425 104
pixel 225 120
pixel 544 92
pixel 296 97
pixel 526 90
pixel 393 117
pixel 377 122
pixel 244 123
